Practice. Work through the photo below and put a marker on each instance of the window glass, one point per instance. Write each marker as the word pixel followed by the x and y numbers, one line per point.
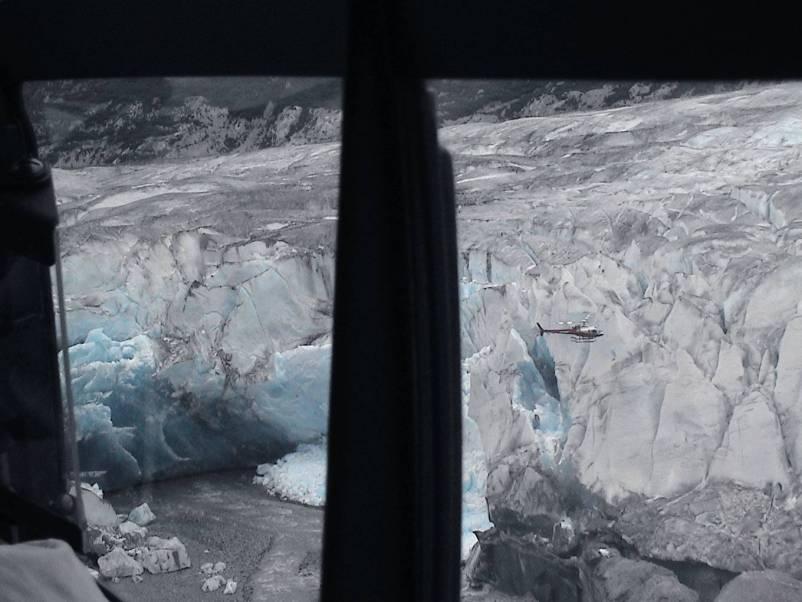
pixel 197 238
pixel 630 315
pixel 628 263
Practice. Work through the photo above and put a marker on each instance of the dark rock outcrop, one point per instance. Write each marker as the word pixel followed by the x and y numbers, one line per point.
pixel 521 496
pixel 528 565
pixel 526 494
pixel 103 122
pixel 706 581
pixel 524 566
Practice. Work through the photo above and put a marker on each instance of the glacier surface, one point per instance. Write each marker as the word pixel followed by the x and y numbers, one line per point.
pixel 199 332
pixel 199 301
pixel 675 226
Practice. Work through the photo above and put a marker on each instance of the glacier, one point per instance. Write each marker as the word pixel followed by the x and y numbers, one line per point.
pixel 665 227
pixel 199 297
pixel 198 340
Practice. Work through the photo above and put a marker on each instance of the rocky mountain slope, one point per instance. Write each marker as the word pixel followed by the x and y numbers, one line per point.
pixel 104 122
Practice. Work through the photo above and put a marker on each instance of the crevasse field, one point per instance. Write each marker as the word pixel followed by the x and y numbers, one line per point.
pixel 199 298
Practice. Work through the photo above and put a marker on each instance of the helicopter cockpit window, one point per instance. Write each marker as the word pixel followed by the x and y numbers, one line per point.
pixel 628 258
pixel 197 242
pixel 630 316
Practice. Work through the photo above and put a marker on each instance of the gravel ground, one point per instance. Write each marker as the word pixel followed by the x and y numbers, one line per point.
pixel 271 548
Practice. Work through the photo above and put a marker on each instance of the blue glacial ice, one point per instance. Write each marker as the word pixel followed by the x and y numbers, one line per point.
pixel 137 423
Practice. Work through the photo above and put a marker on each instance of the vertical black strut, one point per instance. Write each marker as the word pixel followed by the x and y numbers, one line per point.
pixel 36 440
pixel 392 526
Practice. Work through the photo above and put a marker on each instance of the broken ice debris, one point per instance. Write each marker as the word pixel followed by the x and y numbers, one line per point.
pixel 213 583
pixel 142 515
pixel 133 534
pixel 208 569
pixel 231 587
pixel 164 555
pixel 118 564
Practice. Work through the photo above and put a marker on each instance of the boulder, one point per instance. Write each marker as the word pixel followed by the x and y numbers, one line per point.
pixel 524 566
pixel 207 568
pixel 164 555
pixel 117 564
pixel 212 584
pixel 751 586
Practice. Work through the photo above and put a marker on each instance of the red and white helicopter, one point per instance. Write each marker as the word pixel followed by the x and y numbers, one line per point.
pixel 580 332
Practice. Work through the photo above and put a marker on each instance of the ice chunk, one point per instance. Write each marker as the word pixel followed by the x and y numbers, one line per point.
pixel 212 584
pixel 299 476
pixel 165 555
pixel 118 564
pixel 141 515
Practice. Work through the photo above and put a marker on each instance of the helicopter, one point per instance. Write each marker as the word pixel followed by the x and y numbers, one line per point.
pixel 580 332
